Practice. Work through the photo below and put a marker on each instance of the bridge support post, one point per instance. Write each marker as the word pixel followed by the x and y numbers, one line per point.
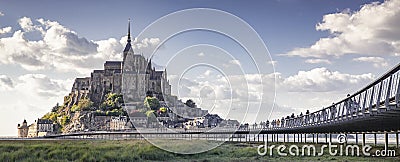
pixel 356 139
pixel 330 137
pixel 277 137
pixel 363 139
pixel 298 138
pixel 313 138
pixel 301 137
pixel 305 138
pixel 263 137
pixel 386 141
pixel 326 138
pixel 374 139
pixel 317 137
pixel 397 139
pixel 284 138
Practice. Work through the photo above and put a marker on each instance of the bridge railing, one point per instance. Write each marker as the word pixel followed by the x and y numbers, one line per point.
pixel 381 95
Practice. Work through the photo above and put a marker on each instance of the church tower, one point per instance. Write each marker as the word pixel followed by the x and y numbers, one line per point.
pixel 128 47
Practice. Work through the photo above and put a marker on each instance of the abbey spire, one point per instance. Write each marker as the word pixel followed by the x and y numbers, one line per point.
pixel 129 30
pixel 128 46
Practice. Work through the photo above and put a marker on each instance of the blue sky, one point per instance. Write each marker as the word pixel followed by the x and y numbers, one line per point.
pixel 317 46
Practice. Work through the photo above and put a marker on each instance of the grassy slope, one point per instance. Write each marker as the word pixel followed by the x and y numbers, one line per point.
pixel 139 150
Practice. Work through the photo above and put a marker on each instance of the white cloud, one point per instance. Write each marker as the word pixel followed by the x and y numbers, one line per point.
pixel 372 30
pixel 318 61
pixel 42 86
pixel 27 25
pixel 324 80
pixel 28 96
pixel 146 46
pixel 1 13
pixel 375 61
pixel 5 30
pixel 231 63
pixel 201 54
pixel 235 62
pixel 62 49
pixel 6 83
pixel 239 94
pixel 274 63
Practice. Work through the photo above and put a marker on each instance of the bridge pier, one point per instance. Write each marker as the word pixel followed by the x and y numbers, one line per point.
pixel 374 139
pixel 330 137
pixel 317 137
pixel 313 138
pixel 397 139
pixel 263 138
pixel 363 139
pixel 284 138
pixel 356 139
pixel 386 140
pixel 326 138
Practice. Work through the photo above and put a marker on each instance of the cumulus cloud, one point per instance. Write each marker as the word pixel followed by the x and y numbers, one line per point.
pixel 42 86
pixel 1 13
pixel 375 61
pixel 29 96
pixel 6 82
pixel 372 30
pixel 5 30
pixel 240 94
pixel 27 25
pixel 60 48
pixel 232 63
pixel 274 63
pixel 324 80
pixel 318 61
pixel 146 45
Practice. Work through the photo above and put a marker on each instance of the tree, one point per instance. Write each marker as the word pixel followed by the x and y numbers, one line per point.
pixel 83 105
pixel 55 108
pixel 163 109
pixel 64 120
pixel 152 103
pixel 190 103
pixel 51 116
pixel 113 101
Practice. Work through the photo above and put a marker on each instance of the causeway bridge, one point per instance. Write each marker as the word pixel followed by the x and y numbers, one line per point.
pixel 375 109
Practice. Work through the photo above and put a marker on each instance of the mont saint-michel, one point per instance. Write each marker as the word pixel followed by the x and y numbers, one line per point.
pixel 123 96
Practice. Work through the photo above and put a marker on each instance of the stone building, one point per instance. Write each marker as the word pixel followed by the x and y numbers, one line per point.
pixel 23 129
pixel 134 77
pixel 40 128
pixel 119 123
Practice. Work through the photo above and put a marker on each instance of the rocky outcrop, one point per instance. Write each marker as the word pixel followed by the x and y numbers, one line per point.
pixel 87 121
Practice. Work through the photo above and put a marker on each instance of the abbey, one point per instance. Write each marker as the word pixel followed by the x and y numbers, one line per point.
pixel 134 77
